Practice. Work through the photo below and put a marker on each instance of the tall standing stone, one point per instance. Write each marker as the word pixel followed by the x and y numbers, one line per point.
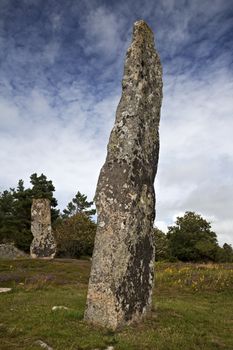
pixel 43 244
pixel 121 280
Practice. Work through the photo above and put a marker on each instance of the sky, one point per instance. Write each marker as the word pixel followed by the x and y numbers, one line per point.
pixel 61 65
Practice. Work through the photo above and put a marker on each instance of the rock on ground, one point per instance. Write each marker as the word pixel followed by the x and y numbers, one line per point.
pixel 59 307
pixel 121 280
pixel 5 290
pixel 9 251
pixel 43 345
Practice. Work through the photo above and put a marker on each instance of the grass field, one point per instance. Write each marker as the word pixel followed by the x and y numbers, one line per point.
pixel 192 308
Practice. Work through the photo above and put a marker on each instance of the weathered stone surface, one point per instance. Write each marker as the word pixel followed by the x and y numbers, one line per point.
pixel 43 244
pixel 9 251
pixel 121 280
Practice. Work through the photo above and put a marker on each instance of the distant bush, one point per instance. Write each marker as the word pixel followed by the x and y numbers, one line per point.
pixel 190 239
pixel 161 245
pixel 75 236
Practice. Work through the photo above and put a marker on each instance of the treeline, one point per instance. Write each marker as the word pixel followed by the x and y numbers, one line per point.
pixel 74 228
pixel 190 239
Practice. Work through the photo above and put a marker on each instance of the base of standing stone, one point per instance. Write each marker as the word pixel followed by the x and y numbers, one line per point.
pixel 121 281
pixel 43 250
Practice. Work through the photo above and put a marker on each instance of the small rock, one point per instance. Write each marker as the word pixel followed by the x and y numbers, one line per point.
pixel 5 290
pixel 9 251
pixel 60 307
pixel 43 345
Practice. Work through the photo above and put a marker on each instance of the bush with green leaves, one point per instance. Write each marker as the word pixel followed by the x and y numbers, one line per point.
pixel 191 239
pixel 75 236
pixel 161 245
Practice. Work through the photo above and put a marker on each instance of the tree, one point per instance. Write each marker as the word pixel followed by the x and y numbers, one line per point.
pixel 15 216
pixel 225 254
pixel 161 245
pixel 43 188
pixel 228 252
pixel 22 216
pixel 191 239
pixel 6 216
pixel 75 236
pixel 79 204
pixel 75 230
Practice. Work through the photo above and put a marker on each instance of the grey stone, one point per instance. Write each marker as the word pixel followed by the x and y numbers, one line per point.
pixel 121 279
pixel 59 307
pixel 43 345
pixel 5 290
pixel 43 244
pixel 9 251
pixel 108 348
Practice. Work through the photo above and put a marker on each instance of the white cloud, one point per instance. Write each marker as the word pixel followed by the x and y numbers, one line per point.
pixel 51 52
pixel 66 142
pixel 56 20
pixel 103 29
pixel 161 225
pixel 9 116
pixel 196 158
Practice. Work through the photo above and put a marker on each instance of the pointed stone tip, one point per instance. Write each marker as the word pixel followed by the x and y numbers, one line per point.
pixel 142 25
pixel 142 30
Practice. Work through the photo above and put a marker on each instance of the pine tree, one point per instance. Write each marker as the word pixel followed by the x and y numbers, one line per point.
pixel 79 204
pixel 43 188
pixel 7 227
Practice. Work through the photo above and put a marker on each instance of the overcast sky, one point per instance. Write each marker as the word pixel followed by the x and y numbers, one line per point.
pixel 61 65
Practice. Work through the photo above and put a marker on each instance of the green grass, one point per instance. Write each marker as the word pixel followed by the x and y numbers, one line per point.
pixel 192 308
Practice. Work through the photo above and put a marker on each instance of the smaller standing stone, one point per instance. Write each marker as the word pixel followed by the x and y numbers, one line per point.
pixel 43 244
